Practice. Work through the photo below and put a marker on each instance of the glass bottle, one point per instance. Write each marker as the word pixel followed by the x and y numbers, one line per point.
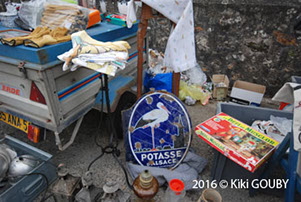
pixel 146 186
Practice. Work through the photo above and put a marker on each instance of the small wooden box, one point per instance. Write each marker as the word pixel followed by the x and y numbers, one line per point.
pixel 220 92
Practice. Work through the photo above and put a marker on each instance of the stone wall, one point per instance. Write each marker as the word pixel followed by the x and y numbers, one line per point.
pixel 247 40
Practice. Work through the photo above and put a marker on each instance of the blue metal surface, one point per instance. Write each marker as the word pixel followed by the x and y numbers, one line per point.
pixel 102 32
pixel 289 165
pixel 29 187
pixel 63 94
pixel 114 85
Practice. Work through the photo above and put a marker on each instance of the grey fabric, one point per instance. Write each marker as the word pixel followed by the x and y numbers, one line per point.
pixel 187 171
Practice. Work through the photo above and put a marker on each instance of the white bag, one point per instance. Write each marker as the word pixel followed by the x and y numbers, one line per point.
pixel 31 12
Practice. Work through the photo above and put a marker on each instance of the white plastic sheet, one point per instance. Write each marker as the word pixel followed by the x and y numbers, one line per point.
pixel 291 93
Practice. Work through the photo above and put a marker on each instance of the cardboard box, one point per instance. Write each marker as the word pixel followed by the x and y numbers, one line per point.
pixel 247 93
pixel 236 140
pixel 220 91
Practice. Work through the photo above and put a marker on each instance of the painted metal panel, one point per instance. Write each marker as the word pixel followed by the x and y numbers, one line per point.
pixel 21 104
pixel 159 130
pixel 61 110
pixel 103 32
pixel 81 96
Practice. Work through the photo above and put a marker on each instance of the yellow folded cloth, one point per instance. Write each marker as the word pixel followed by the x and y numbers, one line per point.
pixel 58 35
pixel 101 46
pixel 14 41
pixel 40 37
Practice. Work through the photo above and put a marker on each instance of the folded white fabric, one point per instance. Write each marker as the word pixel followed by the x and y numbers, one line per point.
pixel 104 57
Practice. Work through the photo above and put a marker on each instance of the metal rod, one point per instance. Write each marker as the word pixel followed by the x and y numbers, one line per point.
pixel 111 124
pixel 74 134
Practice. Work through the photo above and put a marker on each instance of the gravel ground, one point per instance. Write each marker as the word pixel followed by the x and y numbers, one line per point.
pixel 78 156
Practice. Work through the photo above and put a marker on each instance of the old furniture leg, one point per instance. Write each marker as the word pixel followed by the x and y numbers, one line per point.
pixel 146 14
pixel 176 83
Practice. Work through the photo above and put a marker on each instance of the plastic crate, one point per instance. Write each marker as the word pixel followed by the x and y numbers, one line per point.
pixel 29 187
pixel 296 79
pixel 225 169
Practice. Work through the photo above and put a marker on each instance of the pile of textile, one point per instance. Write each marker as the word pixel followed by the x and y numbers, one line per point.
pixel 104 57
pixel 75 18
pixel 40 37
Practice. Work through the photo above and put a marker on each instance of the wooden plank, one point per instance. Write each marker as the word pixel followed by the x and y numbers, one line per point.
pixel 146 14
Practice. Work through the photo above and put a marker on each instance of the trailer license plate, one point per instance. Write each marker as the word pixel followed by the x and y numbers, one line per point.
pixel 14 121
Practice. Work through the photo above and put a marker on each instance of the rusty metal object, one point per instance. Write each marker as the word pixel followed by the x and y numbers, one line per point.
pixel 112 192
pixel 22 69
pixel 109 193
pixel 66 187
pixel 84 195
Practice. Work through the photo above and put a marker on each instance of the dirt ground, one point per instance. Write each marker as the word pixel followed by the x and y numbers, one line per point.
pixel 84 150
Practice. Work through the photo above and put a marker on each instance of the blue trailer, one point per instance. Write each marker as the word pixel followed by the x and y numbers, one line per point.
pixel 36 94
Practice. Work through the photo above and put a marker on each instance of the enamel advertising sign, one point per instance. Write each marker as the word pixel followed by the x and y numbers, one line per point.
pixel 159 131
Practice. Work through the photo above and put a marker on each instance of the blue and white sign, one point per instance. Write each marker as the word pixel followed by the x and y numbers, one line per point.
pixel 159 130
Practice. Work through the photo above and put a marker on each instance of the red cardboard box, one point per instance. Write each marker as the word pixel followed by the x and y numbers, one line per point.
pixel 236 140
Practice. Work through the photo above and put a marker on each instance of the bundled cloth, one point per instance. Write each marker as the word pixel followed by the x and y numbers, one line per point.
pixel 104 57
pixel 73 17
pixel 40 37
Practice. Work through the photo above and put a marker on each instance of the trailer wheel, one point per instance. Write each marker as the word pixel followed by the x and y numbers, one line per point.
pixel 125 102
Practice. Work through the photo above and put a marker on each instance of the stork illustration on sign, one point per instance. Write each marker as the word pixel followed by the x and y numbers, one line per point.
pixel 159 130
pixel 153 119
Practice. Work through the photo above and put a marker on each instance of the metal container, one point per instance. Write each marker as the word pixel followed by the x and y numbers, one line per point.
pixel 21 166
pixel 66 186
pixel 6 156
pixel 28 187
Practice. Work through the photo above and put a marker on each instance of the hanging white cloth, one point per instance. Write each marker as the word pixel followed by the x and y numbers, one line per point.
pixel 131 16
pixel 180 50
